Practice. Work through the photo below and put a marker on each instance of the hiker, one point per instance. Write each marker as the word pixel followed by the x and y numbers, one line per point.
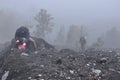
pixel 83 42
pixel 22 35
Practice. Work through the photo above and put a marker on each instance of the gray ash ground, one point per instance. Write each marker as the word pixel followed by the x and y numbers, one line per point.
pixel 50 64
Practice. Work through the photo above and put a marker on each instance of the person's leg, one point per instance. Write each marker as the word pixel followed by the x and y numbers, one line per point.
pixel 83 47
pixel 13 43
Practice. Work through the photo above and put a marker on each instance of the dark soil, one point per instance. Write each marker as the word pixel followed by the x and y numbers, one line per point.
pixel 49 64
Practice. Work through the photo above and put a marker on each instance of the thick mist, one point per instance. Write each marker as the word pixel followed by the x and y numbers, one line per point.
pixel 97 16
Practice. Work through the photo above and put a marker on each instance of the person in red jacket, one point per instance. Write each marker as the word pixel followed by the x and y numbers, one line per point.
pixel 23 40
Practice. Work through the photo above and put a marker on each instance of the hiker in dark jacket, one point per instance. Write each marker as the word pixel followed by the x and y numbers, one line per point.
pixel 22 34
pixel 83 42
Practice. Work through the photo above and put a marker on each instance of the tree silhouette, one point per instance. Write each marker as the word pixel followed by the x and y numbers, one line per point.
pixel 73 35
pixel 112 38
pixel 61 36
pixel 44 25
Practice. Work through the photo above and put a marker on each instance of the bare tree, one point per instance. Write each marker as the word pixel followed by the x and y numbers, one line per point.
pixel 99 42
pixel 61 36
pixel 73 35
pixel 112 38
pixel 44 25
pixel 83 31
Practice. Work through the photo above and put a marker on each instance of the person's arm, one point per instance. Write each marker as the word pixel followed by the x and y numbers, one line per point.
pixel 35 45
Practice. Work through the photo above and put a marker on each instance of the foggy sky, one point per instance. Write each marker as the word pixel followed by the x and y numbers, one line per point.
pixel 68 11
pixel 97 15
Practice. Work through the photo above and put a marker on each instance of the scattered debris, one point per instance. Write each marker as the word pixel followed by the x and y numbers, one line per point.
pixel 71 71
pixel 24 54
pixel 49 64
pixel 96 71
pixel 4 77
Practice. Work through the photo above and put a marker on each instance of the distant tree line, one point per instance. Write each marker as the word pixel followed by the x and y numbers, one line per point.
pixel 45 25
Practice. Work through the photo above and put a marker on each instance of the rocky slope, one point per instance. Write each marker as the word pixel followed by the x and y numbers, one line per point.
pixel 49 64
